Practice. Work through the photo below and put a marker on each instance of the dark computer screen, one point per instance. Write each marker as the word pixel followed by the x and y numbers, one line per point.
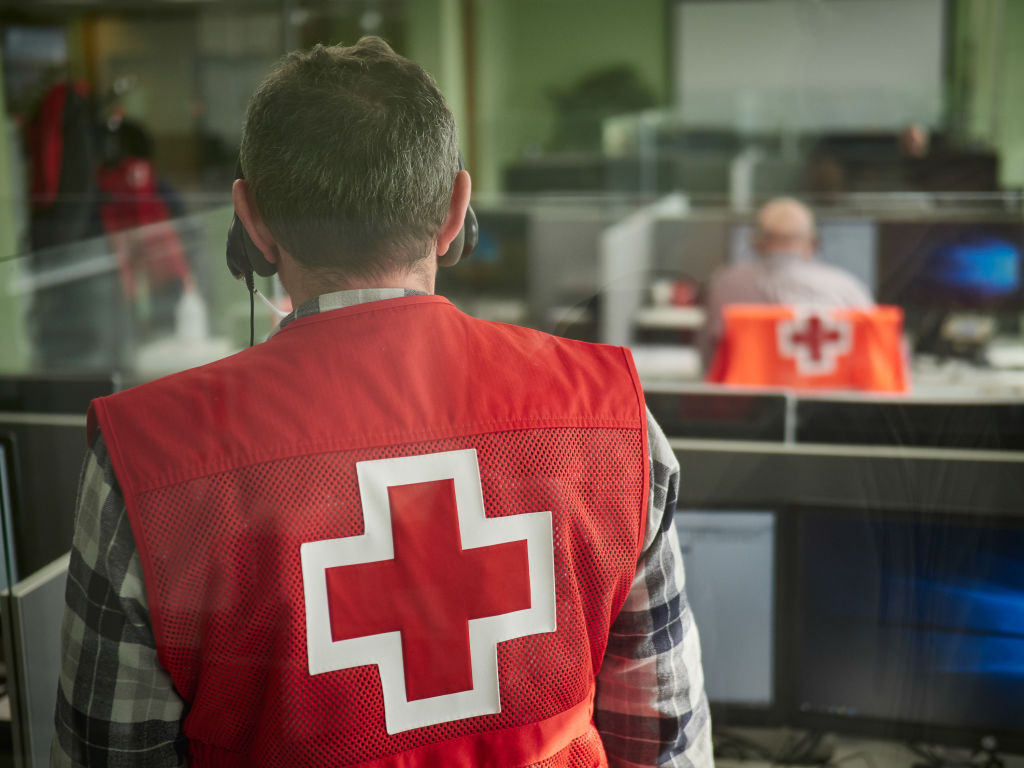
pixel 951 265
pixel 978 425
pixel 730 562
pixel 498 266
pixel 721 415
pixel 42 420
pixel 848 243
pixel 912 624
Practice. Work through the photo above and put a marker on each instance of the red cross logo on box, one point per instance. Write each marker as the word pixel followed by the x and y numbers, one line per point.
pixel 814 340
pixel 429 590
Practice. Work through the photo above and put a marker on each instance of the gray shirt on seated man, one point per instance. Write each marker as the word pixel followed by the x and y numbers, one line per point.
pixel 786 271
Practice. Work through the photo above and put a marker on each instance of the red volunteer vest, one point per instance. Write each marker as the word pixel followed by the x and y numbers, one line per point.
pixel 391 535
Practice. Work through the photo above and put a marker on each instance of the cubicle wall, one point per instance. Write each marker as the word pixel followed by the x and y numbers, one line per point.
pixel 942 480
pixel 930 536
pixel 691 248
pixel 563 274
pixel 31 613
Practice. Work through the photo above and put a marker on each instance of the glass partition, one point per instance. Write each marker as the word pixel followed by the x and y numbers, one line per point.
pixel 142 302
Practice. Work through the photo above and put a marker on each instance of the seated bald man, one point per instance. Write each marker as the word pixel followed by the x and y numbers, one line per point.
pixel 786 271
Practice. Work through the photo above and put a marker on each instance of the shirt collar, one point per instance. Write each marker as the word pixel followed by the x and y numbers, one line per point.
pixel 342 299
pixel 781 258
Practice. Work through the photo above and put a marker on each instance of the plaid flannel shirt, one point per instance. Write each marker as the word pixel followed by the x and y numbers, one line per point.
pixel 117 706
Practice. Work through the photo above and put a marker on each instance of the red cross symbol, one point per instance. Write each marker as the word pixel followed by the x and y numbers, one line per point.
pixel 814 336
pixel 429 590
pixel 815 341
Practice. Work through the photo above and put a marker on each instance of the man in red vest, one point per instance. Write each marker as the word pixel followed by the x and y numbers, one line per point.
pixel 391 535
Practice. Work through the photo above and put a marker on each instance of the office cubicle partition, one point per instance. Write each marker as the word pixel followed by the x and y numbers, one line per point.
pixel 31 612
pixel 933 538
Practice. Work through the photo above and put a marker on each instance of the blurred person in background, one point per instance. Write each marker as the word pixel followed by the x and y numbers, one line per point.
pixel 137 209
pixel 66 330
pixel 785 271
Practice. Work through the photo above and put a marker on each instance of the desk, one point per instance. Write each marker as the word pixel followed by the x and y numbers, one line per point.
pixel 669 366
pixel 931 377
pixel 669 318
pixel 666 363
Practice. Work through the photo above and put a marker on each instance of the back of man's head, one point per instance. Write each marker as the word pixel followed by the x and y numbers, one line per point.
pixel 785 226
pixel 350 154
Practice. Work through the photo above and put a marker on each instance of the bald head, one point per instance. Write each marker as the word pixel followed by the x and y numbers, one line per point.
pixel 785 225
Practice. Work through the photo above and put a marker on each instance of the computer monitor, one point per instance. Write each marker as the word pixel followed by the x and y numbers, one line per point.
pixel 730 558
pixel 42 426
pixel 719 415
pixel 848 243
pixel 951 265
pixel 53 393
pixel 909 625
pixel 498 266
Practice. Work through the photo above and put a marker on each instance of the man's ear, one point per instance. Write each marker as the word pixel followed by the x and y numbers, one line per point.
pixel 456 212
pixel 252 220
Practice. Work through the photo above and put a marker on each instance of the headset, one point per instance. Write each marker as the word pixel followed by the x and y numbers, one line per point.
pixel 244 258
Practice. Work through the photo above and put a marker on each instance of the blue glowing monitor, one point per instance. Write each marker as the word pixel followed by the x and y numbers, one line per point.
pixel 951 265
pixel 985 266
pixel 912 622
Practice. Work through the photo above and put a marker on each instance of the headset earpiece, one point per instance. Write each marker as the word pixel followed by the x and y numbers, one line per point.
pixel 242 256
pixel 465 242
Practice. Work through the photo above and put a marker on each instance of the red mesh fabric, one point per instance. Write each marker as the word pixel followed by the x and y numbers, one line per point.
pixel 226 593
pixel 585 751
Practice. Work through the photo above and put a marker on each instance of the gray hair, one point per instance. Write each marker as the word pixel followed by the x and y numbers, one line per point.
pixel 351 155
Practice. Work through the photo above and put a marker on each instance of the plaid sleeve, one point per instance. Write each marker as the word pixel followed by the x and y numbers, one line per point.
pixel 116 706
pixel 651 707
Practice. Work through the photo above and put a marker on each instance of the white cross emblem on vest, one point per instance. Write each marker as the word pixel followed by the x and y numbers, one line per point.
pixel 429 590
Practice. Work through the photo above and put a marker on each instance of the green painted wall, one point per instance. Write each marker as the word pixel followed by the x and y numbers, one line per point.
pixel 13 354
pixel 435 41
pixel 1010 118
pixel 524 48
pixel 7 232
pixel 989 78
